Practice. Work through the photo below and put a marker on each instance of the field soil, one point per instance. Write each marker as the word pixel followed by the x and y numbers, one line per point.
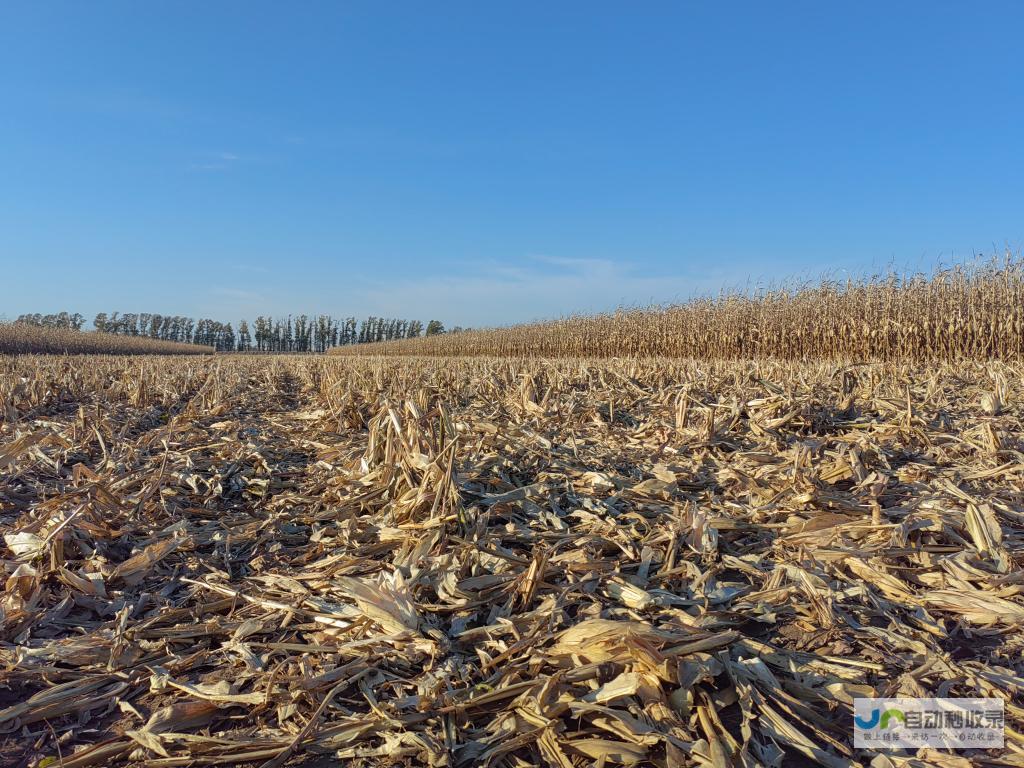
pixel 295 561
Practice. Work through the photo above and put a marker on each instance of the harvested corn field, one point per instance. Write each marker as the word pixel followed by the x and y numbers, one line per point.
pixel 294 561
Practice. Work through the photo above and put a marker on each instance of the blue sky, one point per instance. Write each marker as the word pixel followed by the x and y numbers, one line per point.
pixel 486 163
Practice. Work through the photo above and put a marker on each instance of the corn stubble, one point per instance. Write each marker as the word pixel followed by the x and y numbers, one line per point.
pixel 21 339
pixel 270 561
pixel 969 312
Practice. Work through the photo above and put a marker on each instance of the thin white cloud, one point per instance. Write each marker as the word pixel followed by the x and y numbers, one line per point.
pixel 542 287
pixel 219 161
pixel 239 294
pixel 256 268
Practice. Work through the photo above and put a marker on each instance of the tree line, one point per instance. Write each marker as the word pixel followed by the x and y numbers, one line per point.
pixel 59 320
pixel 300 333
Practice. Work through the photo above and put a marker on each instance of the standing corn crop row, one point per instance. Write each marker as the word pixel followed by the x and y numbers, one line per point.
pixel 968 312
pixel 21 338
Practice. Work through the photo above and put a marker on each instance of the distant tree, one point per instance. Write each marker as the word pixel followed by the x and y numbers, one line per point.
pixel 58 320
pixel 287 336
pixel 434 327
pixel 261 334
pixel 277 338
pixel 325 333
pixel 244 339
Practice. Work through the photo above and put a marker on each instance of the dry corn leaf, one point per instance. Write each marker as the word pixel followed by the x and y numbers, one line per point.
pixel 238 560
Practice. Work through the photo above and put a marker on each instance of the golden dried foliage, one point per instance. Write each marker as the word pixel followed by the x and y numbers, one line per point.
pixel 226 561
pixel 972 312
pixel 20 339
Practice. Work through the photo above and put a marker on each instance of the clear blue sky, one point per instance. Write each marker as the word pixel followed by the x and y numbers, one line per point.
pixel 485 163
